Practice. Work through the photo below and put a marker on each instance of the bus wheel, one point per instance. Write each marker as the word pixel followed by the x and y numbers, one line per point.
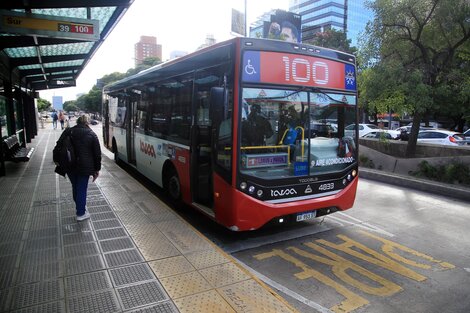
pixel 115 150
pixel 173 186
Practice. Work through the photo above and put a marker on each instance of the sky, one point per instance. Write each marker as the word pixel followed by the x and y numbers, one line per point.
pixel 178 25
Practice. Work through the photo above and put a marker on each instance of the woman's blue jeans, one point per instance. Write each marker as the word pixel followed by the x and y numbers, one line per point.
pixel 79 190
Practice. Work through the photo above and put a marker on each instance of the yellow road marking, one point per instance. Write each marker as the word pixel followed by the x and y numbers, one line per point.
pixel 352 301
pixel 390 246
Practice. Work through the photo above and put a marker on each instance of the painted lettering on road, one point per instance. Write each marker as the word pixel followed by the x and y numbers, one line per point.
pixel 392 258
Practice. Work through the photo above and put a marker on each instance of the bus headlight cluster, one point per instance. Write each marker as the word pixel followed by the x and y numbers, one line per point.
pixel 251 189
pixel 349 177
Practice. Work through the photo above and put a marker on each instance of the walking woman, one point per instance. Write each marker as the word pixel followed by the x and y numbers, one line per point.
pixel 88 154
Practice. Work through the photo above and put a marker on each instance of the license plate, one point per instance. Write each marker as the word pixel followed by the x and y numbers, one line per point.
pixel 306 216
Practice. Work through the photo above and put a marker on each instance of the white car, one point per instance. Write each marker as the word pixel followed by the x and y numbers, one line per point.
pixel 441 137
pixel 350 130
pixel 379 134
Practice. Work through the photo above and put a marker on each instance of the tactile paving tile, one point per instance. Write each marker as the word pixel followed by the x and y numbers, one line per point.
pixel 6 237
pixel 7 280
pixel 121 258
pixel 223 274
pixel 206 302
pixel 186 240
pixel 133 217
pixel 103 216
pixel 164 307
pixel 82 249
pixel 100 209
pixel 142 294
pixel 51 307
pixel 136 229
pixel 104 301
pixel 71 239
pixel 45 232
pixel 37 293
pixel 96 203
pixel 85 283
pixel 70 219
pixel 9 248
pixel 250 294
pixel 155 246
pixel 206 258
pixel 41 243
pixel 171 266
pixel 40 256
pixel 116 244
pixel 84 264
pixel 44 223
pixel 111 233
pixel 39 272
pixel 186 284
pixel 131 274
pixel 113 223
pixel 8 262
pixel 76 228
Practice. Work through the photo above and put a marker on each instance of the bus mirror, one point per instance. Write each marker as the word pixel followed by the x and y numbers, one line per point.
pixel 218 103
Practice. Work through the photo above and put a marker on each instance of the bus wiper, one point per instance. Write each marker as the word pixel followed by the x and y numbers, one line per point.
pixel 318 90
pixel 282 97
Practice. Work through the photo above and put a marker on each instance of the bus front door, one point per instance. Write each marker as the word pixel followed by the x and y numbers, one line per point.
pixel 201 168
pixel 131 132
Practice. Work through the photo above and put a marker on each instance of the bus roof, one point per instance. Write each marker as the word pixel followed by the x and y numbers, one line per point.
pixel 222 52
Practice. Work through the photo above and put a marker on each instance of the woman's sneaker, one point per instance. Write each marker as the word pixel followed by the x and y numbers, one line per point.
pixel 83 217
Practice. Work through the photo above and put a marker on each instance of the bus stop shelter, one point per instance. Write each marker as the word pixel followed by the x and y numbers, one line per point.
pixel 45 45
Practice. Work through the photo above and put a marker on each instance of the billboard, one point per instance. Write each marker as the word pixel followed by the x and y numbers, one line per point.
pixel 284 26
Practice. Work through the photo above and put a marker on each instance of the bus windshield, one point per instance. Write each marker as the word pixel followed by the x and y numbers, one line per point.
pixel 287 133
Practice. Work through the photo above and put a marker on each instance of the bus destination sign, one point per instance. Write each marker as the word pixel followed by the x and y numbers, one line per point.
pixel 296 69
pixel 49 26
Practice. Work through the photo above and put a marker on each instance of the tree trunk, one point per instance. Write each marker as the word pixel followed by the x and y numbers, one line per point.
pixel 412 140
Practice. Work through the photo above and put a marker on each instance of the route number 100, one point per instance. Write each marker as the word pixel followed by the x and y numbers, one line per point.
pixel 311 71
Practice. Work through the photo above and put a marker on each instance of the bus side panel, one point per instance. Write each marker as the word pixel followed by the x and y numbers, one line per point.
pixel 224 202
pixel 252 213
pixel 120 138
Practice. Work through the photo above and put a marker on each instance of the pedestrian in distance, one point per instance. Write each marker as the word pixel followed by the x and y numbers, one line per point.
pixel 88 162
pixel 61 119
pixel 55 117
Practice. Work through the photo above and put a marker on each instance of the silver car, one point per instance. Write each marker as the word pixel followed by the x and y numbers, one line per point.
pixel 441 137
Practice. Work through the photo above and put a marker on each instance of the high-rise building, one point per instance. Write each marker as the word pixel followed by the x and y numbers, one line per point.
pixel 350 16
pixel 147 47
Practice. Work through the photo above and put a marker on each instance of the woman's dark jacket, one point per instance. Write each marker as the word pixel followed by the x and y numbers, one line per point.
pixel 87 149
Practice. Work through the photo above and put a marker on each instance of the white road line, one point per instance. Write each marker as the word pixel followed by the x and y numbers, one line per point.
pixel 286 290
pixel 360 223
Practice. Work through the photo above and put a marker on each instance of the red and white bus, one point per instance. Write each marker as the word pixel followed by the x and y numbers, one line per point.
pixel 248 131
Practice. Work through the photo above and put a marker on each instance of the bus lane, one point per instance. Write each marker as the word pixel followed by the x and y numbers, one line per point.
pixel 357 270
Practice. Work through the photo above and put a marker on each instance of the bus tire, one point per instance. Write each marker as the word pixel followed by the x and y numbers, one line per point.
pixel 115 151
pixel 173 185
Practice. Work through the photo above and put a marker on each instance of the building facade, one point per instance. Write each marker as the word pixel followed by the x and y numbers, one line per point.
pixel 147 47
pixel 350 16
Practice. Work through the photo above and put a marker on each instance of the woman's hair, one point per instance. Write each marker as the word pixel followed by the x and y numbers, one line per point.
pixel 84 119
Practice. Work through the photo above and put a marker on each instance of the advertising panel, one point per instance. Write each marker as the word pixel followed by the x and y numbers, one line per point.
pixel 284 26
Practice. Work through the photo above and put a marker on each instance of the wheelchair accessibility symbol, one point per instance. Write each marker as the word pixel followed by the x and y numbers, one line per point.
pixel 249 69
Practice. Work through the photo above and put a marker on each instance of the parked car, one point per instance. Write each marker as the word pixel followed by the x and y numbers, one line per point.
pixel 441 137
pixel 379 135
pixel 467 136
pixel 363 129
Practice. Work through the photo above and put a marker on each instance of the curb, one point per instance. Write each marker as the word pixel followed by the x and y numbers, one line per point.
pixel 447 190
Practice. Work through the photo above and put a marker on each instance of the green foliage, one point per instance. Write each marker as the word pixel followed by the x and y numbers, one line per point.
pixel 43 105
pixel 365 161
pixel 71 106
pixel 450 173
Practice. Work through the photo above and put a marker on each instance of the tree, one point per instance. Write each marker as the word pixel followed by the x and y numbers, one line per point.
pixel 333 39
pixel 43 105
pixel 422 39
pixel 71 106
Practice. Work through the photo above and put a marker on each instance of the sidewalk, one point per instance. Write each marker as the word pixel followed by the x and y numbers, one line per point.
pixel 133 255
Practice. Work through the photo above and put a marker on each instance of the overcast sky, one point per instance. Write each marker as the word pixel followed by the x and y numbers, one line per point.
pixel 177 24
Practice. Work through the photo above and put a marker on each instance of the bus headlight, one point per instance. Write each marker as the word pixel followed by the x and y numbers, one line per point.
pixel 251 189
pixel 243 186
pixel 345 181
pixel 259 193
pixel 354 173
pixel 349 177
